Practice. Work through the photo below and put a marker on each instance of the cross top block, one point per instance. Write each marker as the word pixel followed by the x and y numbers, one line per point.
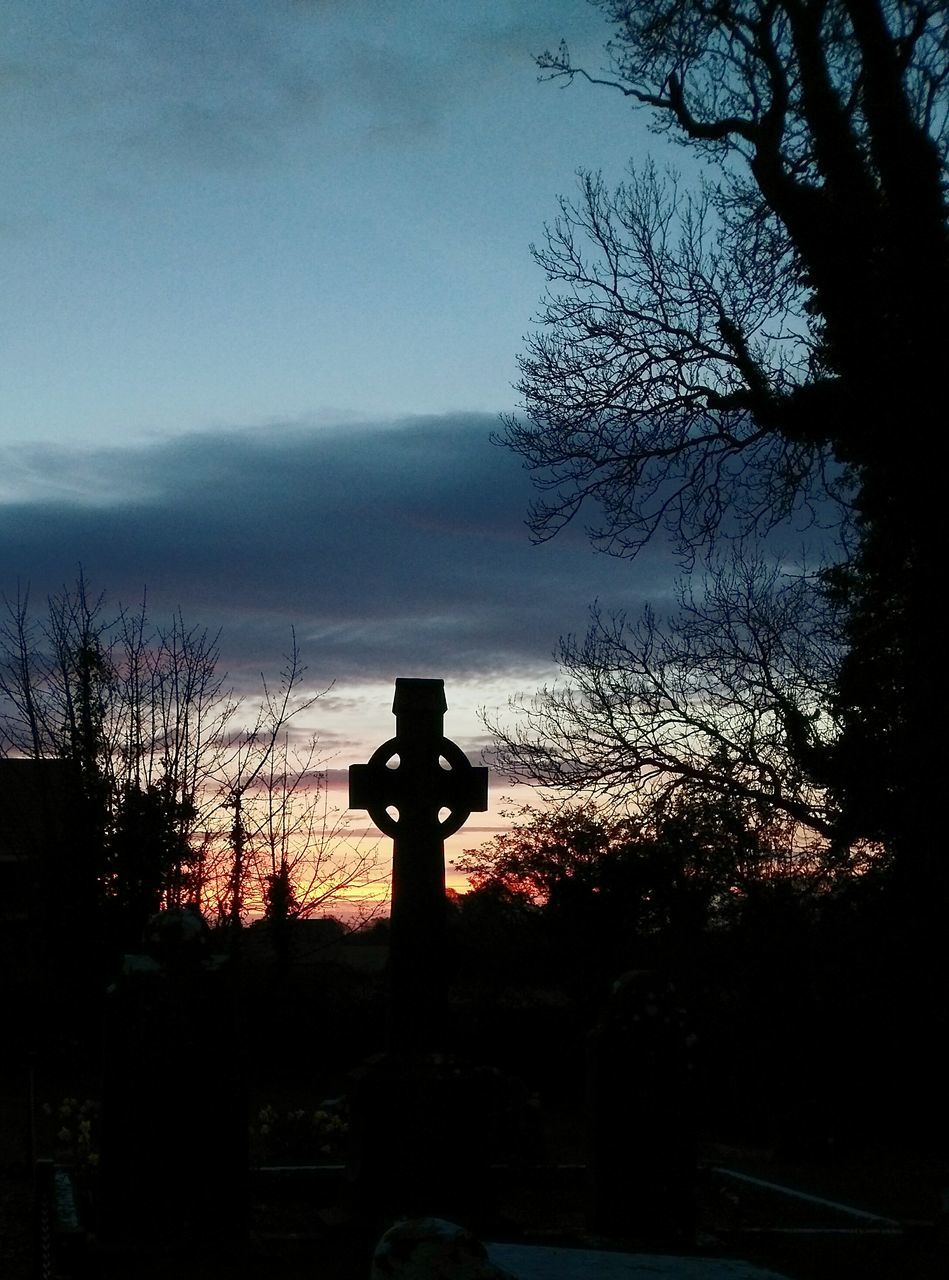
pixel 418 696
pixel 419 771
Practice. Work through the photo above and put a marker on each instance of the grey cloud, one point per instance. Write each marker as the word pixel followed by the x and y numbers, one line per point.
pixel 218 86
pixel 389 547
pixel 225 87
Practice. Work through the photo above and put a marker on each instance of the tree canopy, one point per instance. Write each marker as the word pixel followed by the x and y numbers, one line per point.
pixel 695 862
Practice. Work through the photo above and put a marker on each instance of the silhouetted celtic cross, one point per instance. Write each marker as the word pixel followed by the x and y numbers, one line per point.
pixel 417 773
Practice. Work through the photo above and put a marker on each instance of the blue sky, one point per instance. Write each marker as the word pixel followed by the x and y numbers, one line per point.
pixel 237 213
pixel 265 278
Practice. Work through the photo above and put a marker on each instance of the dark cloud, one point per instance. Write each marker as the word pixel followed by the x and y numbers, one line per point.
pixel 391 548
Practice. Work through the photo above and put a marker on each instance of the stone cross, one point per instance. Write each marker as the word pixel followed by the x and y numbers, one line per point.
pixel 419 788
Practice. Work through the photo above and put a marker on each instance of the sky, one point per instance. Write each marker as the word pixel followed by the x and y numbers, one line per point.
pixel 265 276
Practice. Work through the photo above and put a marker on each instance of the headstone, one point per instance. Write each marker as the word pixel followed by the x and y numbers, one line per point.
pixel 641 1140
pixel 408 784
pixel 173 1161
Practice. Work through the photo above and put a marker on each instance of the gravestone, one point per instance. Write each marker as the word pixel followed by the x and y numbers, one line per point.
pixel 173 1162
pixel 420 775
pixel 412 1148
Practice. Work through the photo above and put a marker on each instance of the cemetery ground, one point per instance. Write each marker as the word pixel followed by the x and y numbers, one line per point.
pixel 867 1209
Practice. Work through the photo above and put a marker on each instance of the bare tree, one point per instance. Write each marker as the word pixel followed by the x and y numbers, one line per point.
pixel 761 319
pixel 282 850
pixel 305 859
pixel 726 694
pixel 637 400
pixel 183 799
pixel 300 858
pixel 139 710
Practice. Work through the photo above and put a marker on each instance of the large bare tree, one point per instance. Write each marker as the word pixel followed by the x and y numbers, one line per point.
pixel 710 362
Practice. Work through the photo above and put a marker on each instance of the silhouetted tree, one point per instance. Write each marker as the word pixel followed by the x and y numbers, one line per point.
pixel 709 363
pixel 615 885
pixel 148 858
pixel 303 852
pixel 545 850
pixel 284 849
pixel 728 693
pixel 184 797
pixel 139 710
pixel 281 909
